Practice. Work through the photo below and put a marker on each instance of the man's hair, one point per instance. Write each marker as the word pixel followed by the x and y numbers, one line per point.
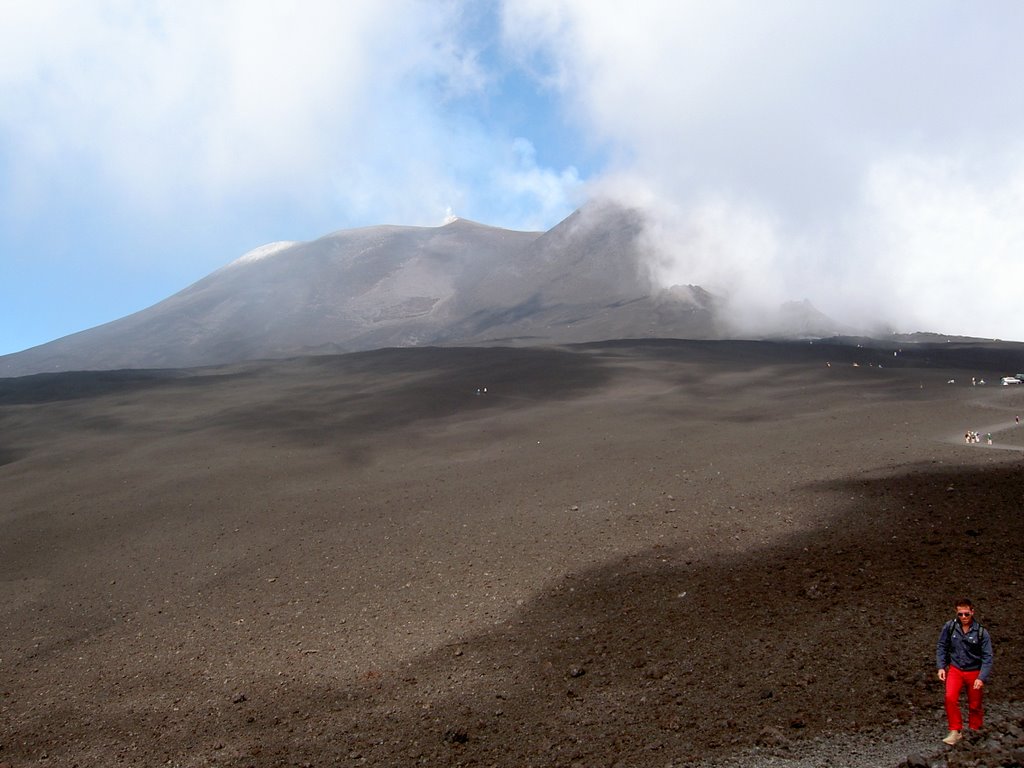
pixel 966 602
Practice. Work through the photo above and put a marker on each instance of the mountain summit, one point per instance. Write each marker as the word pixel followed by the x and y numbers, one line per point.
pixel 394 286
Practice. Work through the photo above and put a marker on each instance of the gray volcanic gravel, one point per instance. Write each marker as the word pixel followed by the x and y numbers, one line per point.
pixel 643 553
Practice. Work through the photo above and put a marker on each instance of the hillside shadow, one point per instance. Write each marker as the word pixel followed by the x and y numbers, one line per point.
pixel 664 655
pixel 667 656
pixel 369 394
pixel 74 385
pixel 9 456
pixel 981 357
pixel 498 364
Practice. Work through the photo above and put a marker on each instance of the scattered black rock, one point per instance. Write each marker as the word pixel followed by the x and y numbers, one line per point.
pixel 456 736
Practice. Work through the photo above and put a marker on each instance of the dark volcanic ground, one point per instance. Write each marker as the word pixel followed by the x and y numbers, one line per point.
pixel 632 553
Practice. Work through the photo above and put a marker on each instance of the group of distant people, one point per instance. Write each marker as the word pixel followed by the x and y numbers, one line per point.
pixel 975 437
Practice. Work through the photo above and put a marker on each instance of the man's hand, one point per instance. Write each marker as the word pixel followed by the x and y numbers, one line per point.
pixel 942 675
pixel 978 684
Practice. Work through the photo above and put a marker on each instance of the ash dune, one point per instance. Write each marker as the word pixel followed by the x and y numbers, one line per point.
pixel 626 553
pixel 392 286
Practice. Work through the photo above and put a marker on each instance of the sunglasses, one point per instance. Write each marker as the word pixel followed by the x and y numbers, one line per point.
pixel 963 613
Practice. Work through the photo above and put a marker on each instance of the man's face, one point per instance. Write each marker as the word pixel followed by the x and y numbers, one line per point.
pixel 964 613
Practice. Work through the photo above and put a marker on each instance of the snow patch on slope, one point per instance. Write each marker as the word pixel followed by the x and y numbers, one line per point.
pixel 264 251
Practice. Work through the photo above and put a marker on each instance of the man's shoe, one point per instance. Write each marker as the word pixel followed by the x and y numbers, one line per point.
pixel 953 738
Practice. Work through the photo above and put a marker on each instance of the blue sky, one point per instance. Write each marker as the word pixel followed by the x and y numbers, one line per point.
pixel 867 156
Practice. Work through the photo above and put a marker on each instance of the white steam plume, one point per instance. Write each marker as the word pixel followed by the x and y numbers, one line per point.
pixel 866 157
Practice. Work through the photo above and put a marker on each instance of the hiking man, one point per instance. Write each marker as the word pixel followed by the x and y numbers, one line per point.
pixel 963 656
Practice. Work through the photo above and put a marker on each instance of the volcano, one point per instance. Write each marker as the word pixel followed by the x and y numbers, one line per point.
pixel 463 283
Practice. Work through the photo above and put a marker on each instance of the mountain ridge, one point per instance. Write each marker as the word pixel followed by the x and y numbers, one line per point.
pixel 390 285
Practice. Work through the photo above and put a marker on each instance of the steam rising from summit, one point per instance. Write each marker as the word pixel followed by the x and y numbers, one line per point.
pixel 867 157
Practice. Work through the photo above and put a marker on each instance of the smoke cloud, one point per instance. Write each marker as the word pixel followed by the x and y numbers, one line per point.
pixel 866 157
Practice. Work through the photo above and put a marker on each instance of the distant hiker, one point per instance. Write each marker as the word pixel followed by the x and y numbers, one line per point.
pixel 963 656
pixel 967 437
pixel 1016 419
pixel 988 438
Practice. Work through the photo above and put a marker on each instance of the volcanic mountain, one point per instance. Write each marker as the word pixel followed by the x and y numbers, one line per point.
pixel 395 286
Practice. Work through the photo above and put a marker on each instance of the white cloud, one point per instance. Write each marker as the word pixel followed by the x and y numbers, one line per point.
pixel 846 153
pixel 856 154
pixel 549 192
pixel 321 104
pixel 209 95
pixel 942 240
